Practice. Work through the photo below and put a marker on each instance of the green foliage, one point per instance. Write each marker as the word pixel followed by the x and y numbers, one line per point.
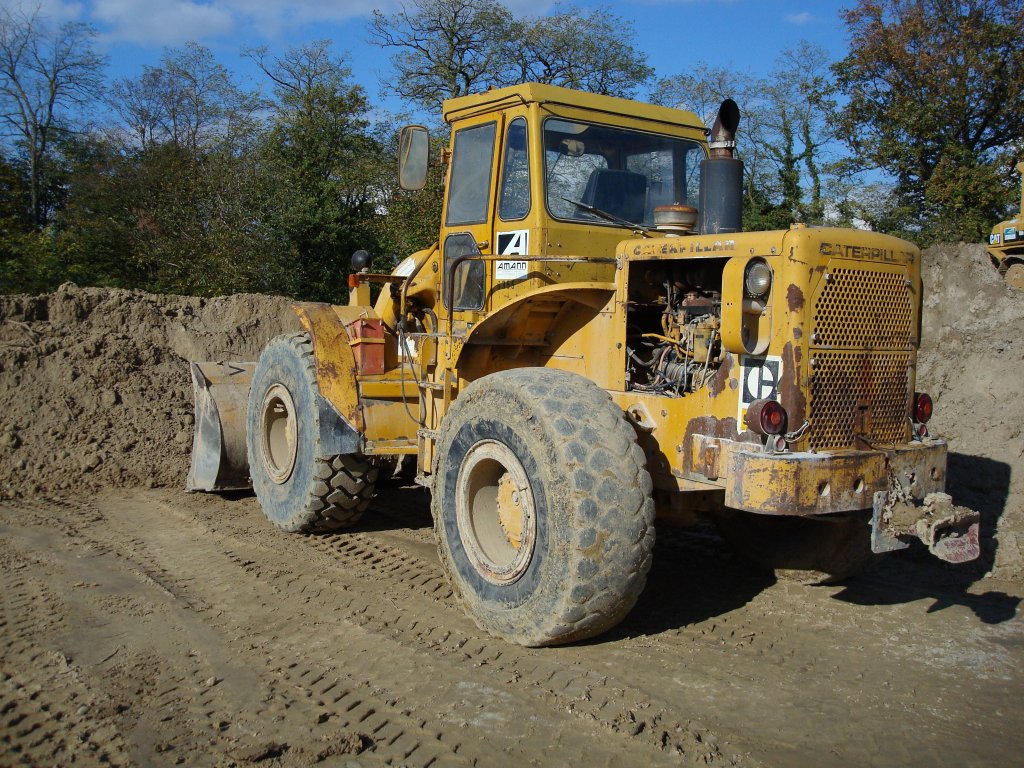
pixel 202 186
pixel 324 164
pixel 784 139
pixel 934 90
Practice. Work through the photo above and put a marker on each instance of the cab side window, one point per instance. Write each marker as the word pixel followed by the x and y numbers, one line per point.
pixel 514 202
pixel 470 276
pixel 470 183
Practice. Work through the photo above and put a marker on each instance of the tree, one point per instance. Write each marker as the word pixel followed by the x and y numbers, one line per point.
pixel 44 77
pixel 324 163
pixel 934 91
pixel 589 52
pixel 189 201
pixel 189 100
pixel 449 48
pixel 444 48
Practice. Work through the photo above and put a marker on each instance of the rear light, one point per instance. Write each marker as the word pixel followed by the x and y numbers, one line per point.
pixel 766 417
pixel 922 407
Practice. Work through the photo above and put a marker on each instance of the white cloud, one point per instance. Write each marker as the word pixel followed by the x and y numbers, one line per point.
pixel 53 10
pixel 158 22
pixel 799 18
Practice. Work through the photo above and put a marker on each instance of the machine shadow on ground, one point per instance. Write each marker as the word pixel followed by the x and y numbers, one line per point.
pixel 982 484
pixel 694 577
pixel 911 575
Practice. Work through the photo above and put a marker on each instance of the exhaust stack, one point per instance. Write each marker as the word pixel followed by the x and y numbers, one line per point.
pixel 721 177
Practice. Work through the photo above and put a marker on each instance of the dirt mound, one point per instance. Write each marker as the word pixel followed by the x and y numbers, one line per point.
pixel 95 390
pixel 94 386
pixel 971 362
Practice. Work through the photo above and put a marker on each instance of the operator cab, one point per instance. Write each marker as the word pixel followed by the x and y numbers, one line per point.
pixel 540 172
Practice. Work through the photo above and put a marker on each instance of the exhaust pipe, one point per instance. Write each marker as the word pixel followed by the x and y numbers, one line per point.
pixel 721 176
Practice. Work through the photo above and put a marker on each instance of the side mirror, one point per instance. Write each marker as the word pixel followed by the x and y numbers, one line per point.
pixel 413 157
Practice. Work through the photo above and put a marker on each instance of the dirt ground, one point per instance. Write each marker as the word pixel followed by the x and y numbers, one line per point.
pixel 140 625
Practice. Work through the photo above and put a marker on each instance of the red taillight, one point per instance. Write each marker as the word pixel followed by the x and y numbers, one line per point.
pixel 922 407
pixel 766 417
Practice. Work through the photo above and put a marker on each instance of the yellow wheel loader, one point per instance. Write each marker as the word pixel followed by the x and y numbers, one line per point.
pixel 1006 244
pixel 592 342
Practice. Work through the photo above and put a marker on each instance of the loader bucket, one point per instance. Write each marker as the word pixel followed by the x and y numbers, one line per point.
pixel 219 460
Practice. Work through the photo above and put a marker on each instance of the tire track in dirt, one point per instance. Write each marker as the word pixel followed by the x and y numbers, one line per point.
pixel 568 686
pixel 322 622
pixel 218 590
pixel 44 701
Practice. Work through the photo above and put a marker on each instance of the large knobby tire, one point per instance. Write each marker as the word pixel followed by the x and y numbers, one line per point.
pixel 542 506
pixel 804 550
pixel 298 489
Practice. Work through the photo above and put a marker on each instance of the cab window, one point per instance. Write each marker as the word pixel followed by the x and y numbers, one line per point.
pixel 514 202
pixel 468 284
pixel 470 182
pixel 616 171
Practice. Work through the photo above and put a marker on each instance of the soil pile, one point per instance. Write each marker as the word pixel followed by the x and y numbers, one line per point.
pixel 972 363
pixel 95 389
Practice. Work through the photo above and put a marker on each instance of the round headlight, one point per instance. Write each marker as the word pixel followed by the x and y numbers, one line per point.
pixel 757 279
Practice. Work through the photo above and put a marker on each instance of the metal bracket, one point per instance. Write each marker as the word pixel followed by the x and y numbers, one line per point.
pixel 882 539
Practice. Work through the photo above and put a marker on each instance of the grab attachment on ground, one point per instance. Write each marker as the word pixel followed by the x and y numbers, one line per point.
pixel 949 531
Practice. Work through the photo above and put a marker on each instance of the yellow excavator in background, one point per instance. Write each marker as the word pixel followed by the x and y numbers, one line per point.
pixel 593 342
pixel 1006 244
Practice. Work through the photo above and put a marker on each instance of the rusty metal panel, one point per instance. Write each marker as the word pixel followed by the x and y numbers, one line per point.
pixel 863 308
pixel 859 393
pixel 335 364
pixel 863 331
pixel 804 483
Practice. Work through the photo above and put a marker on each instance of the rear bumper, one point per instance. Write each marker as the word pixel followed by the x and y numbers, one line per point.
pixel 802 484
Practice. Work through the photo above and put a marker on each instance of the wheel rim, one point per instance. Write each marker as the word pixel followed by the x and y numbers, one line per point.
pixel 279 433
pixel 495 512
pixel 1015 276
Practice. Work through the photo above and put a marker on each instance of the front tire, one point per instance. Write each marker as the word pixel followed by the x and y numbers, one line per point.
pixel 542 506
pixel 298 489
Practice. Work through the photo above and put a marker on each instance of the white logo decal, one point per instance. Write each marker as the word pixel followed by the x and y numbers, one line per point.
pixel 515 243
pixel 511 270
pixel 759 380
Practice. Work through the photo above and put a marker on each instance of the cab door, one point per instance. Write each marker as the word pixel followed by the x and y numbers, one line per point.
pixel 468 224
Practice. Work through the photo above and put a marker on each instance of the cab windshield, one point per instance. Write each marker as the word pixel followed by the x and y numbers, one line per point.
pixel 590 170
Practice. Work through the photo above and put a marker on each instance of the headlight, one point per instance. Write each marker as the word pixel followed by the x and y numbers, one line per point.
pixel 757 279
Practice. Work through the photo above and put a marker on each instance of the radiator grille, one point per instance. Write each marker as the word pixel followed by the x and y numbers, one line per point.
pixel 866 393
pixel 866 310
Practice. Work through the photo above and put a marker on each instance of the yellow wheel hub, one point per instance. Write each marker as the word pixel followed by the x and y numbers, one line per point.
pixel 510 512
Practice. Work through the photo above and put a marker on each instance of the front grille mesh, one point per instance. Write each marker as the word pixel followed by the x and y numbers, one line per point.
pixel 864 393
pixel 862 338
pixel 870 310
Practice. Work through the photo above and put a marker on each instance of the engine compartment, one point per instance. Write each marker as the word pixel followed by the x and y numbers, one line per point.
pixel 673 324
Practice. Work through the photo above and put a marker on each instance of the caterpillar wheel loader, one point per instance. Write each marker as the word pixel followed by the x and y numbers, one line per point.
pixel 592 342
pixel 1006 244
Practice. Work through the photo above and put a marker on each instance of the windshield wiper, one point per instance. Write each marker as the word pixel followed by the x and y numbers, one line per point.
pixel 610 217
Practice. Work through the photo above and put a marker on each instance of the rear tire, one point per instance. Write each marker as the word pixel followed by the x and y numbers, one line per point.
pixel 298 489
pixel 1014 276
pixel 542 506
pixel 807 550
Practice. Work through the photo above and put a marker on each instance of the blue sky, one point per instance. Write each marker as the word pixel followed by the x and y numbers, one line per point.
pixel 745 35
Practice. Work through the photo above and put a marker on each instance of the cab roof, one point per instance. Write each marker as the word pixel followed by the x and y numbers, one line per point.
pixel 539 93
